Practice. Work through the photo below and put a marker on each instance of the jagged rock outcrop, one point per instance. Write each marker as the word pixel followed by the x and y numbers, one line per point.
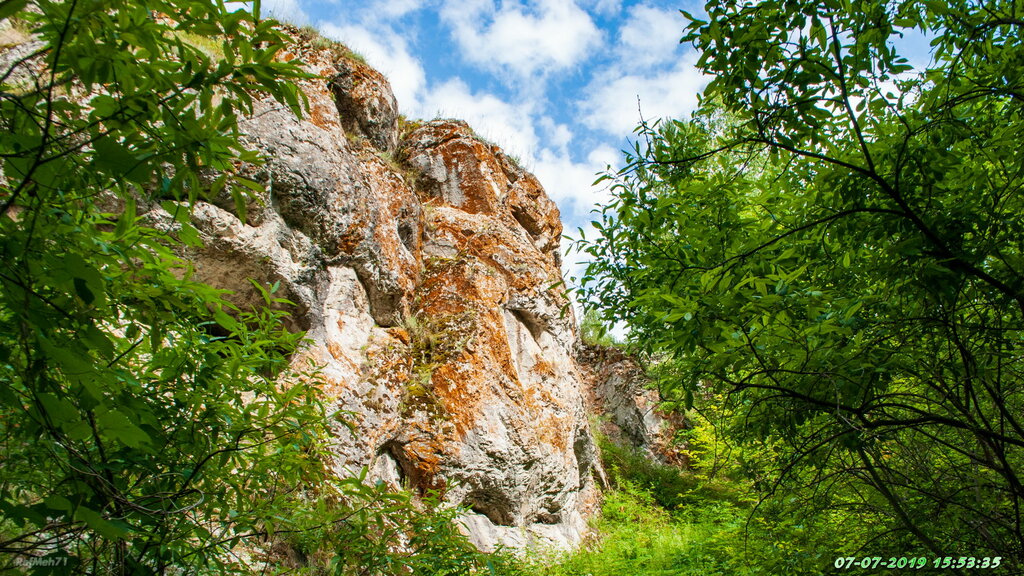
pixel 422 266
pixel 620 395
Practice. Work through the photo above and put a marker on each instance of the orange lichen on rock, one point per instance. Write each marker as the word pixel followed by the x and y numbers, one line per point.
pixel 457 167
pixel 502 245
pixel 423 273
pixel 323 116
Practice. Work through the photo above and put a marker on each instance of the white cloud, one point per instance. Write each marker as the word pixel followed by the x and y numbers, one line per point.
pixel 569 184
pixel 611 105
pixel 390 55
pixel 397 8
pixel 556 136
pixel 650 36
pixel 509 125
pixel 604 156
pixel 285 10
pixel 536 37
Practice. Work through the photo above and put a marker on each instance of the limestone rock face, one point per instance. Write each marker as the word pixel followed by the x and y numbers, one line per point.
pixel 422 268
pixel 619 393
pixel 366 104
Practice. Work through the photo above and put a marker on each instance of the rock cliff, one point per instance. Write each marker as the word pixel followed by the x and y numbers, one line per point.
pixel 626 407
pixel 424 264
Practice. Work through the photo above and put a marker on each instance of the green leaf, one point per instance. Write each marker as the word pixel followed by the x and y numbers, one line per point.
pixel 82 289
pixel 72 360
pixel 58 410
pixel 58 503
pixel 188 235
pixel 88 282
pixel 114 158
pixel 101 525
pixel 9 8
pixel 225 321
pixel 115 424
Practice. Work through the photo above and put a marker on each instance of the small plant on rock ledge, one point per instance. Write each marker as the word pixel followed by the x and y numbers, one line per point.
pixel 594 332
pixel 407 126
pixel 433 341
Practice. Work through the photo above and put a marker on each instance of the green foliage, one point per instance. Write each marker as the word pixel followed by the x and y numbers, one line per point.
pixel 669 486
pixel 593 332
pixel 407 126
pixel 830 253
pixel 638 539
pixel 350 527
pixel 134 439
pixel 710 526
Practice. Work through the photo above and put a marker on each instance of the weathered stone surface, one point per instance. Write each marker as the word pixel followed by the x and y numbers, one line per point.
pixel 366 104
pixel 620 395
pixel 357 210
pixel 21 62
pixel 431 312
pixel 457 168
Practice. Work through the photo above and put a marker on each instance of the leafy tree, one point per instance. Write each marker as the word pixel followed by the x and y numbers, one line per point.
pixel 593 332
pixel 834 242
pixel 134 441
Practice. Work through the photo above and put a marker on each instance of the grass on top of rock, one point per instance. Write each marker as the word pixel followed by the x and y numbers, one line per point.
pixel 407 126
pixel 314 38
pixel 304 35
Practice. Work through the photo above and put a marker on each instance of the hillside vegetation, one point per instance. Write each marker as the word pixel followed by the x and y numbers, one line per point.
pixel 830 252
pixel 822 272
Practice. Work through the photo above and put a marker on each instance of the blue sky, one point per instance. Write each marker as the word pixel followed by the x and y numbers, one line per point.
pixel 554 82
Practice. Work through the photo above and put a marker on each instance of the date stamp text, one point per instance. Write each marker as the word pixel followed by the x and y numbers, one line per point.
pixel 918 562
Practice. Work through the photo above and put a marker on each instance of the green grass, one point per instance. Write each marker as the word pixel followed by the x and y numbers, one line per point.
pixel 312 36
pixel 638 537
pixel 660 520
